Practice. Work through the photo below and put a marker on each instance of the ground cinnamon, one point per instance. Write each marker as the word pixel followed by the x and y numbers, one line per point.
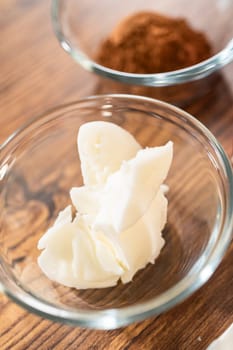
pixel 148 42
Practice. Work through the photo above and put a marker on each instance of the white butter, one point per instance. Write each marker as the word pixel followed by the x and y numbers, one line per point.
pixel 102 146
pixel 129 191
pixel 86 199
pixel 142 242
pixel 77 256
pixel 121 211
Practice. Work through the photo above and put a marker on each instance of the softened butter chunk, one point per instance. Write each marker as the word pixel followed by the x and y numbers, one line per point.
pixel 129 191
pixel 76 256
pixel 121 211
pixel 102 146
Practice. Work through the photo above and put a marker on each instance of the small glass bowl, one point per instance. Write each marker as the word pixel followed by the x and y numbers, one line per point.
pixel 81 26
pixel 38 166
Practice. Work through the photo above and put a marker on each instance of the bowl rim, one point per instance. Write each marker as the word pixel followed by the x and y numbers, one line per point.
pixel 114 318
pixel 192 73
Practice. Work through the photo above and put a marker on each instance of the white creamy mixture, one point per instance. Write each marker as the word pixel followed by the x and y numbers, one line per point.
pixel 121 211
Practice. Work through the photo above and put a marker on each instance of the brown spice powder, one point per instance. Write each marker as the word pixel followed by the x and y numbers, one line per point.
pixel 148 42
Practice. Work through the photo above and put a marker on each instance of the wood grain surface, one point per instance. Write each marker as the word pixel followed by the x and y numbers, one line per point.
pixel 37 74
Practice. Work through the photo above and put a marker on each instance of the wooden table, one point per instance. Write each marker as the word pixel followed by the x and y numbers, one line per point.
pixel 37 74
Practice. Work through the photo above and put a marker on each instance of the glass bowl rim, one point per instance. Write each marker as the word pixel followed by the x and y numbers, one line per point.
pixel 192 73
pixel 114 318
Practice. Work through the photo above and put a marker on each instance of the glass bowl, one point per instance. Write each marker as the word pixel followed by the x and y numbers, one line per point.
pixel 38 166
pixel 81 26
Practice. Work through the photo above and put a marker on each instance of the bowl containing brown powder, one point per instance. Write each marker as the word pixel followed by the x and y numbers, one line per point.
pixel 154 44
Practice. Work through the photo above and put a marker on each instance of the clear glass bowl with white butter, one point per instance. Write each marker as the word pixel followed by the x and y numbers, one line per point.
pixel 39 165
